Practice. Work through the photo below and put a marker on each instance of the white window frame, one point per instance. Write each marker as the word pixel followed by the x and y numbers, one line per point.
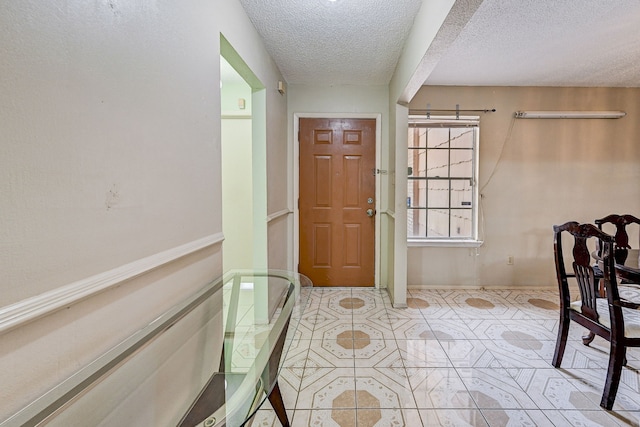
pixel 473 241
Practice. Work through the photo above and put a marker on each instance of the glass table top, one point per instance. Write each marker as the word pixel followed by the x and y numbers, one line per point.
pixel 211 360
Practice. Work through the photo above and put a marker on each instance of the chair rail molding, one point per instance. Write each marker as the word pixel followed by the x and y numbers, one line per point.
pixel 17 314
pixel 278 214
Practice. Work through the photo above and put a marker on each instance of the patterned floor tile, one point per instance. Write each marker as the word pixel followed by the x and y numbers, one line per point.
pixel 590 418
pixel 363 304
pixel 388 417
pixel 540 304
pixel 514 418
pixel 330 324
pixel 431 296
pixel 327 388
pixel 289 381
pixel 439 388
pixel 576 355
pixel 382 388
pixel 421 353
pixel 324 354
pixel 591 383
pixel 296 353
pixel 450 329
pixel 266 417
pixel 343 304
pixel 634 354
pixel 494 389
pixel 452 418
pixel 392 316
pixel 515 330
pixel 332 352
pixel 303 329
pixel 479 305
pixel 452 358
pixel 334 294
pixel 375 353
pixel 413 329
pixel 376 319
pixel 325 418
pixel 424 303
pixel 626 418
pixel 550 389
pixel 469 354
pixel 517 354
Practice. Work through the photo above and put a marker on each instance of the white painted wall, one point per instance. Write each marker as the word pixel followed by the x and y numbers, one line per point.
pixel 237 194
pixel 408 75
pixel 237 176
pixel 110 154
pixel 534 174
pixel 419 55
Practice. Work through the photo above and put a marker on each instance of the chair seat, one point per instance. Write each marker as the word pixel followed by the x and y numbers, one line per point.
pixel 631 317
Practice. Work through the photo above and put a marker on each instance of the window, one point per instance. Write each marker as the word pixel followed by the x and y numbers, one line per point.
pixel 442 171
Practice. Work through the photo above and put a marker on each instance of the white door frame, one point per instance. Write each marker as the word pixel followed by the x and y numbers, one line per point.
pixel 296 180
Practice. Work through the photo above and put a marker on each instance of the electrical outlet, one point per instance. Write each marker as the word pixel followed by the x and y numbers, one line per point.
pixel 510 260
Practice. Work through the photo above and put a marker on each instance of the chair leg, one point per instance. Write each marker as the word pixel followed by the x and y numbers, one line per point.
pixel 587 339
pixel 275 398
pixel 617 357
pixel 561 342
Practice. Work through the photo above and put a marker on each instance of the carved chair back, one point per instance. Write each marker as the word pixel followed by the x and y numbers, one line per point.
pixel 621 236
pixel 583 270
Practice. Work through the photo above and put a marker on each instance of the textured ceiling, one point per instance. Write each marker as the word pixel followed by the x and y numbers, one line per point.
pixel 504 43
pixel 342 42
pixel 546 43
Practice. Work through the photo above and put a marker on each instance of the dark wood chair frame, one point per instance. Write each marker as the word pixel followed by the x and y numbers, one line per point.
pixel 621 239
pixel 621 251
pixel 583 272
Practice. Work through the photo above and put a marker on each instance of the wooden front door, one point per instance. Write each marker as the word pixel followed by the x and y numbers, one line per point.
pixel 337 201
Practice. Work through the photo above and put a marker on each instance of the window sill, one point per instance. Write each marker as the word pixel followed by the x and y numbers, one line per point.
pixel 446 243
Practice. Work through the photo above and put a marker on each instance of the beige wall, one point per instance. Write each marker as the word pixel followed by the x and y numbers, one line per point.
pixel 534 174
pixel 110 182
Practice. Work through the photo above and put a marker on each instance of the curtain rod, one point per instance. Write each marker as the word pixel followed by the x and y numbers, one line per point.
pixel 439 110
pixel 430 110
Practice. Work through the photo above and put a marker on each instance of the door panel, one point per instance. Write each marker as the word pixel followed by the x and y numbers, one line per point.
pixel 337 237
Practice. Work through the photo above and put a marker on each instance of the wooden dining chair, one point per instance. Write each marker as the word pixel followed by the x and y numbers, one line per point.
pixel 611 318
pixel 621 239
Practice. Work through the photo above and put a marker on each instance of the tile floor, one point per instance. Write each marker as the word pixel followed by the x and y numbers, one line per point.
pixel 452 358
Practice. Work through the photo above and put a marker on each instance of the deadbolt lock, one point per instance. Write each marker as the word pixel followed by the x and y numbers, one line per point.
pixel 370 200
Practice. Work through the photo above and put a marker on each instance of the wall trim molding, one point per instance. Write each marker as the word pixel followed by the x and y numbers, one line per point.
pixel 17 314
pixel 231 116
pixel 278 214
